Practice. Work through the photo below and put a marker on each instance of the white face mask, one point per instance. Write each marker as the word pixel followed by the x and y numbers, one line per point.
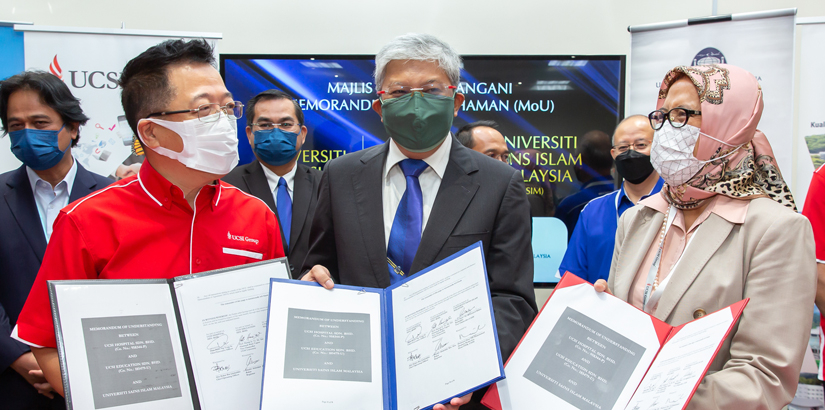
pixel 208 146
pixel 672 153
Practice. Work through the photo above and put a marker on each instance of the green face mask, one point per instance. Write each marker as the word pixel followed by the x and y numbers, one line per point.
pixel 418 122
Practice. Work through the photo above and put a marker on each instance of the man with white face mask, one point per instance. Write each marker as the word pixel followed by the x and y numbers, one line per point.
pixel 173 218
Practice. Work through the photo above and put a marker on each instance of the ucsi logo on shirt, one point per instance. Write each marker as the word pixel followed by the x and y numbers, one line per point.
pixel 240 238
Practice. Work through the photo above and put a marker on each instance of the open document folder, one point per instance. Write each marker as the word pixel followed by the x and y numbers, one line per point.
pixel 409 346
pixel 590 350
pixel 192 342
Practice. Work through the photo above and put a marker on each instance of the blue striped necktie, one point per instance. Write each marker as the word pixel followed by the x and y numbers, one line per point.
pixel 406 227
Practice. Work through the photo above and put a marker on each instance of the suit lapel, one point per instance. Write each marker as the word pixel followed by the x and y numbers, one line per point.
pixel 454 195
pixel 20 200
pixel 258 185
pixel 301 197
pixel 84 184
pixel 645 229
pixel 367 183
pixel 714 231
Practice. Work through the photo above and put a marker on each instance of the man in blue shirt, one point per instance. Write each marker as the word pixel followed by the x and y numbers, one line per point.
pixel 590 250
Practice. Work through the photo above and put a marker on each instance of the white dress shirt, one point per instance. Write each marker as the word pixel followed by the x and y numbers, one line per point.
pixel 394 182
pixel 50 201
pixel 273 178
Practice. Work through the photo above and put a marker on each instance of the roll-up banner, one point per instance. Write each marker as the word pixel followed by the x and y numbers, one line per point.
pixel 760 42
pixel 90 61
pixel 11 63
pixel 811 112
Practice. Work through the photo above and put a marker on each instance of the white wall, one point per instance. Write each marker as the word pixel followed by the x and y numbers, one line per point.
pixel 361 27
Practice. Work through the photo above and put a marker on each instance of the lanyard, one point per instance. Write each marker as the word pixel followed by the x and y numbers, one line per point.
pixel 651 299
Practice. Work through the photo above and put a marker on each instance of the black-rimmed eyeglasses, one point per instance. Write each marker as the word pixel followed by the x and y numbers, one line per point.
pixel 677 117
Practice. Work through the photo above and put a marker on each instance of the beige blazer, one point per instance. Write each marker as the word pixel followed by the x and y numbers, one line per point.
pixel 769 259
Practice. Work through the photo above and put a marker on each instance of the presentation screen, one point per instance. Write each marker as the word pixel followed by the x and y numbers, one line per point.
pixel 544 107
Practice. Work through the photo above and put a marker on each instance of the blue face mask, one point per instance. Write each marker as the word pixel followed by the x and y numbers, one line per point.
pixel 276 147
pixel 37 149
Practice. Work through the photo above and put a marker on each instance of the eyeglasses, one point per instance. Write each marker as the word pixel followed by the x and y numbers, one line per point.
pixel 267 126
pixel 397 90
pixel 232 109
pixel 678 117
pixel 638 146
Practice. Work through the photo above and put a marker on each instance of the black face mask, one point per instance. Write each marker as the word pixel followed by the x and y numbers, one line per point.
pixel 633 166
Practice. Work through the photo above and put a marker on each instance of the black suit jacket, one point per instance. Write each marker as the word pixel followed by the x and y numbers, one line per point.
pixel 251 179
pixel 479 199
pixel 22 244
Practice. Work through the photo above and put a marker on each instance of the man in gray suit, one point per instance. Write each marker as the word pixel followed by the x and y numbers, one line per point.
pixel 389 211
pixel 276 132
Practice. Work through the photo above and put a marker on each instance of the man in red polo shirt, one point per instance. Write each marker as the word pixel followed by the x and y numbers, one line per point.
pixel 175 217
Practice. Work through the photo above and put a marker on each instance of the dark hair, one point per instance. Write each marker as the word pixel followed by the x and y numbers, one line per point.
pixel 594 147
pixel 272 95
pixel 145 79
pixel 53 93
pixel 465 133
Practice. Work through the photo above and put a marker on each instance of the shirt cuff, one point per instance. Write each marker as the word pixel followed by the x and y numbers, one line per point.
pixel 16 337
pixel 820 261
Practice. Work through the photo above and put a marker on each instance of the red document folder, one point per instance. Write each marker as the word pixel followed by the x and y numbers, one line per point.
pixel 590 350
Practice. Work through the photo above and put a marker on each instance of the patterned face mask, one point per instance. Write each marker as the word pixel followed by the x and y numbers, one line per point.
pixel 672 153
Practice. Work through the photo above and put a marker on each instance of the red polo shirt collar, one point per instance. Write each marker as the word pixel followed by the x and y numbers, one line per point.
pixel 164 193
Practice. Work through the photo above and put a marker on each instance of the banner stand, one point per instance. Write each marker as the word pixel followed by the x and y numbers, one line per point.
pixel 90 61
pixel 760 42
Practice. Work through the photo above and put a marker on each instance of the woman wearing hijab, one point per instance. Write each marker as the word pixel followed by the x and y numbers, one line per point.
pixel 724 228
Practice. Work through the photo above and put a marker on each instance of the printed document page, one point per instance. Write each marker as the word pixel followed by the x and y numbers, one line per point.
pixel 129 357
pixel 586 350
pixel 681 363
pixel 224 320
pixel 324 348
pixel 445 339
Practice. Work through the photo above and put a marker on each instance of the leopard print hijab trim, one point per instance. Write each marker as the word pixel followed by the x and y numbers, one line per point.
pixel 731 104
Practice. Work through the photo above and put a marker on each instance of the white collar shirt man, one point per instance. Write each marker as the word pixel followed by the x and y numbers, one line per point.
pixel 51 200
pixel 394 183
pixel 273 178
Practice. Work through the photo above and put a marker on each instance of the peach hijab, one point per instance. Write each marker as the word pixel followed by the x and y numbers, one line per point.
pixel 731 105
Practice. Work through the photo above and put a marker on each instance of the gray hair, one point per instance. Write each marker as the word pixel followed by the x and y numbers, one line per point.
pixel 419 47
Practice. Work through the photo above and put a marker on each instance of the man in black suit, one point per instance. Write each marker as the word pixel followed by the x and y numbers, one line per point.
pixel 276 132
pixel 459 196
pixel 43 120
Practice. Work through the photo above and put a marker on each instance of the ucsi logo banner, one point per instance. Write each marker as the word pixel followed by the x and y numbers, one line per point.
pixel 55 69
pixel 82 78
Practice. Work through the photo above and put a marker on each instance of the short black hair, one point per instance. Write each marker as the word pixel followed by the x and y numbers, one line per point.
pixel 53 93
pixel 272 95
pixel 465 133
pixel 594 148
pixel 145 78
